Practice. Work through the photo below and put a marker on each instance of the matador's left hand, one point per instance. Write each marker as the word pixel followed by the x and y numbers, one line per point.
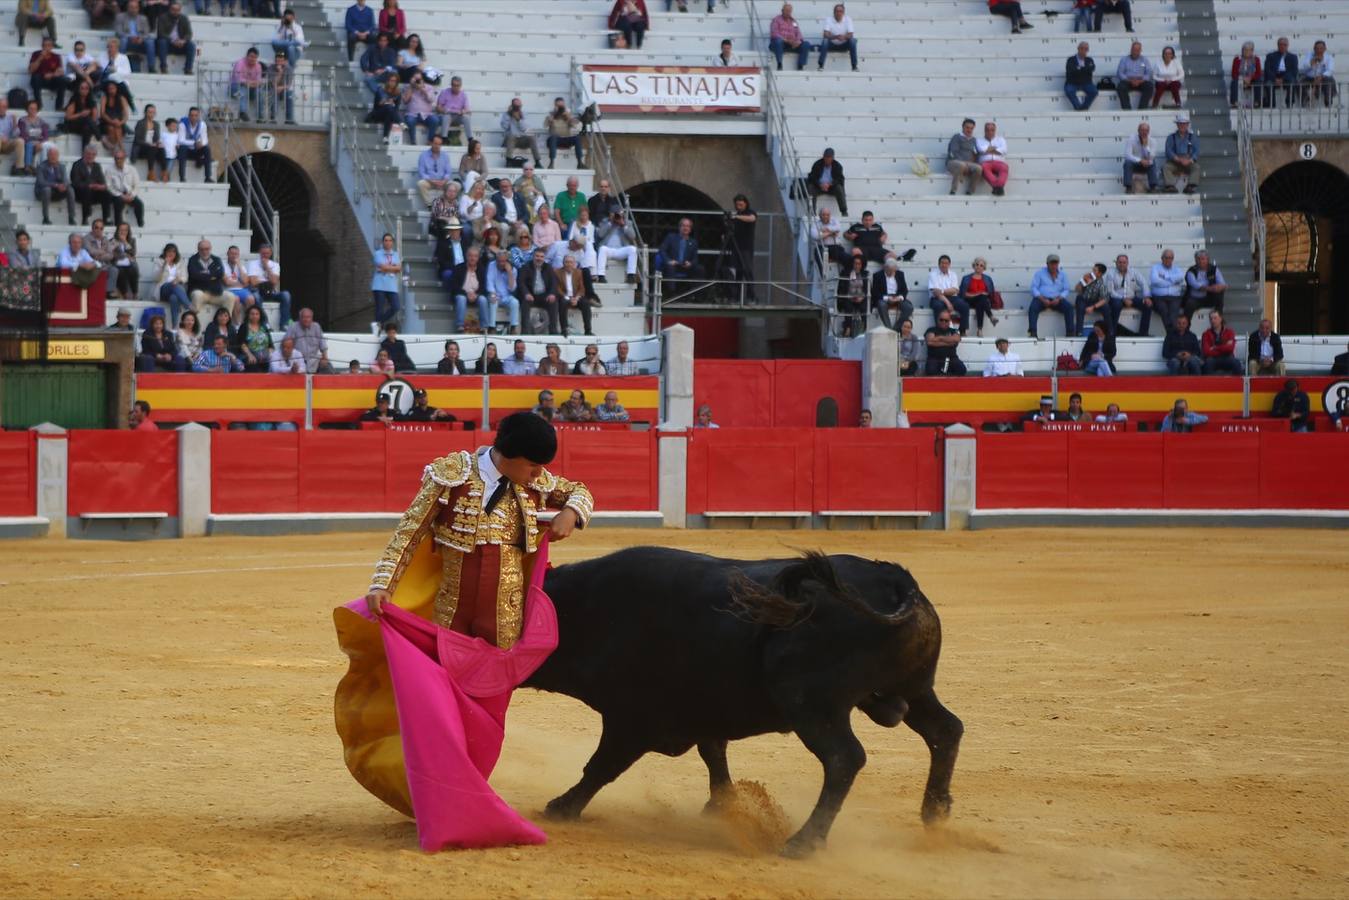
pixel 564 523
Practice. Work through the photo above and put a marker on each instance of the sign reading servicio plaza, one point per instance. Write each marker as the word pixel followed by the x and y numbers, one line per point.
pixel 666 89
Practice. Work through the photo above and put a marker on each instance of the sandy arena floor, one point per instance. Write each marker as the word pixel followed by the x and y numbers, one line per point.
pixel 1148 714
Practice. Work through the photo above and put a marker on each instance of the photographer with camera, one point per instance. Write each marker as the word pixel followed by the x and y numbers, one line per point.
pixel 738 244
pixel 515 134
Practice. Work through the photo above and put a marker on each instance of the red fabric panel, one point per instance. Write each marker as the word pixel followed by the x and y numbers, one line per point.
pixel 1022 471
pixel 619 467
pixel 799 384
pixel 1304 471
pixel 714 337
pixel 876 470
pixel 1211 471
pixel 342 471
pixel 1115 470
pixel 122 472
pixel 750 470
pixel 18 473
pixel 407 454
pixel 240 486
pixel 740 391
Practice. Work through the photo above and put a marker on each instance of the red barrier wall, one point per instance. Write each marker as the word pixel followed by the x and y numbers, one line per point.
pixel 620 467
pixel 18 473
pixel 813 470
pixel 122 471
pixel 776 393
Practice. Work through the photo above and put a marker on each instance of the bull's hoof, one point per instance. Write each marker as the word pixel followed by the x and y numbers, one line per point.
pixel 801 846
pixel 936 810
pixel 720 801
pixel 562 810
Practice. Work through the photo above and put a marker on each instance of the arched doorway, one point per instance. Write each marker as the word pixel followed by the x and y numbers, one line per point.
pixel 659 205
pixel 304 251
pixel 1306 210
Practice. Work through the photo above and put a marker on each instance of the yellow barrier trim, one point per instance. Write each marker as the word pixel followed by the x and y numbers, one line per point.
pixel 194 398
pixel 364 398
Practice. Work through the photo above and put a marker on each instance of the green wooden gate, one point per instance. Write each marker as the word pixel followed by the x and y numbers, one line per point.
pixel 72 396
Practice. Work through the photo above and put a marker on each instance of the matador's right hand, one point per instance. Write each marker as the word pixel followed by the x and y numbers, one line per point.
pixel 375 600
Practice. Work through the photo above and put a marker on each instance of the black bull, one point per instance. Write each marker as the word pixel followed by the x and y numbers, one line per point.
pixel 677 649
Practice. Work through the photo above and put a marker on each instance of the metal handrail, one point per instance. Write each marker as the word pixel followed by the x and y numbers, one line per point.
pixel 1251 186
pixel 602 161
pixel 344 126
pixel 259 214
pixel 302 106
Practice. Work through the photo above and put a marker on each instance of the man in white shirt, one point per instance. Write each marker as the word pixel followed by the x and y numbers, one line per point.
pixel 123 183
pixel 620 364
pixel 519 363
pixel 1166 281
pixel 236 280
pixel 115 66
pixel 944 287
pixel 193 144
pixel 1317 75
pixel 74 256
pixel 726 57
pixel 80 66
pixel 1002 361
pixel 1140 157
pixel 264 279
pixel 839 36
pixel 993 158
pixel 825 235
pixel 285 360
pixel 615 238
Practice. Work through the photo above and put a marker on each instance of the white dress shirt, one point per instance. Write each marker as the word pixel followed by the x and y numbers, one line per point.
pixel 999 364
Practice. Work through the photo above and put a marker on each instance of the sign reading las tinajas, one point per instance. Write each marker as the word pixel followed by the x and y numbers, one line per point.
pixel 666 89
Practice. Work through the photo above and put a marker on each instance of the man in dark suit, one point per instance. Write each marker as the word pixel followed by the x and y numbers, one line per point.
pixel 90 185
pixel 1265 351
pixel 826 177
pixel 536 288
pixel 890 294
pixel 1280 72
pixel 680 253
pixel 506 195
pixel 465 290
pixel 1341 365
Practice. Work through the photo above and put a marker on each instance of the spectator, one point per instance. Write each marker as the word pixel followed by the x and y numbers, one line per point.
pixel 617 240
pixel 174 37
pixel 472 204
pixel 388 266
pixel 255 341
pixel 1045 412
pixel 909 349
pixel 584 230
pixel 1167 78
pixel 1114 7
pixel 1012 10
pixel 124 263
pixel 189 336
pixel 170 278
pixel 1340 365
pixel 1280 72
pixel 868 236
pixel 135 37
pixel 423 411
pixel 501 292
pixel 488 363
pixel 1204 285
pixel 576 409
pixel 123 185
pixel 264 278
pixel 217 358
pixel 536 285
pixel 1112 415
pixel 1180 419
pixel 393 23
pixel 611 410
pixel 114 67
pixel 825 236
pixel 993 158
pixel 704 418
pixel 419 108
pixel 382 364
pixel 850 298
pixel 123 321
pixel 942 341
pixel 511 209
pixel 1140 158
pixel 384 111
pixel 246 84
pixel 81 114
pixel 563 131
pixel 1134 74
pixel 838 37
pixel 206 281
pixel 590 363
pixel 603 203
pixel 98 243
pixel 468 284
pixel 433 170
pixel 1264 351
pixel 569 202
pixel 38 14
pixel 889 292
pixel 360 27
pixel 1182 350
pixel 46 71
pixel 1245 76
pixel 289 37
pixel 826 177
pixel 473 166
pixel 630 17
pixel 281 90
pixel 1182 158
pixel 1167 283
pixel 943 288
pixel 977 290
pixel 1082 15
pixel 571 294
pixel 354 367
pixel 1079 81
pixel 726 57
pixel 194 144
pixel 381 411
pixel 515 134
pixel 1220 347
pixel 1098 353
pixel 1002 361
pixel 552 363
pixel 1126 290
pixel 1293 404
pixel 453 108
pixel 147 143
pixel 785 34
pixel 621 365
pixel 1075 412
pixel 488 233
pixel 159 351
pixel 530 187
pixel 546 406
pixel 1317 76
pixel 51 184
pixel 310 342
pixel 33 132
pixel 139 417
pixel 220 324
pixel 864 419
pixel 1049 291
pixel 80 67
pixel 546 231
pixel 235 279
pixel 378 63
pixel 450 363
pixel 90 185
pixel 24 255
pixel 679 253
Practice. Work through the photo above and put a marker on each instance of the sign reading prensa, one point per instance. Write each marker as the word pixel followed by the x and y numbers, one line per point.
pixel 666 89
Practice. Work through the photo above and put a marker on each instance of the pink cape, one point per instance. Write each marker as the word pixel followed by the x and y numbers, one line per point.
pixel 451 692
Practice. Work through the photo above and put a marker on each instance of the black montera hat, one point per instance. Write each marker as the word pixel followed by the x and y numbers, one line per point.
pixel 525 434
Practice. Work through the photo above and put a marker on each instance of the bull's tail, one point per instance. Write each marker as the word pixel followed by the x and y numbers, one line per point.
pixel 792 595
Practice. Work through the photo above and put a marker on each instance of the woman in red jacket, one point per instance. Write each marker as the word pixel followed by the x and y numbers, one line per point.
pixel 630 17
pixel 393 23
pixel 1245 76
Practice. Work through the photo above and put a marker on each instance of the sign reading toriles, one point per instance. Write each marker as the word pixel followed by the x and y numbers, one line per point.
pixel 666 89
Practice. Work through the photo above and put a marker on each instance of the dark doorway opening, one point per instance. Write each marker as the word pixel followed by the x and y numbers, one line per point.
pixel 1306 209
pixel 657 207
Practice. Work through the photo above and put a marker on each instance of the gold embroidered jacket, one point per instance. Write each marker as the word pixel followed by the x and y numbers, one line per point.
pixel 464 527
